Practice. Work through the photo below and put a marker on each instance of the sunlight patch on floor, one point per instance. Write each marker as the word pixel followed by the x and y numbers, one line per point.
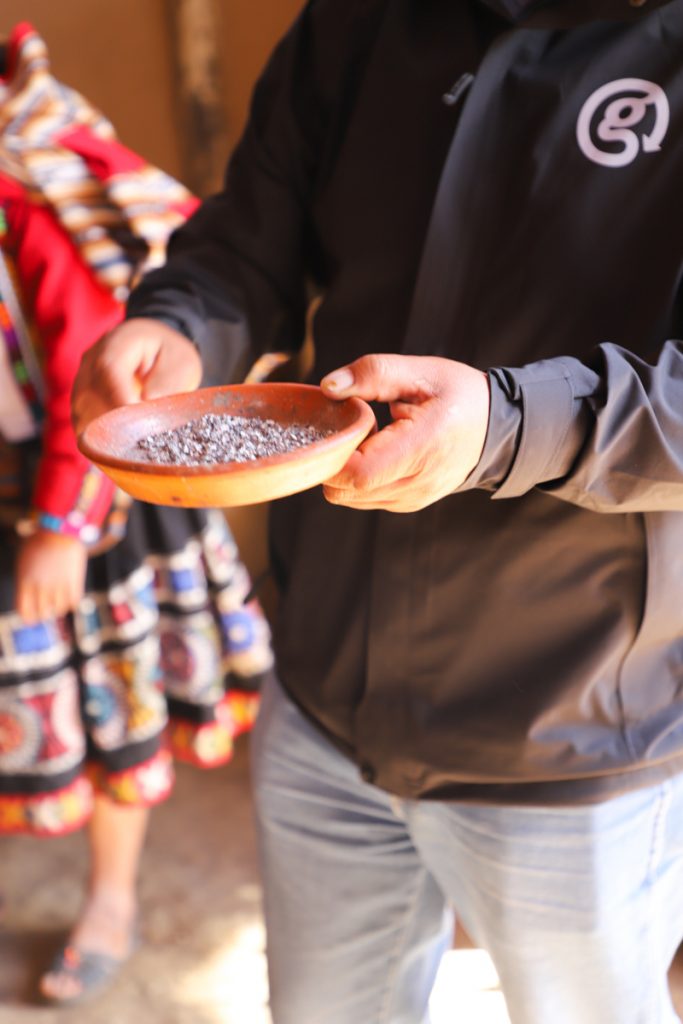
pixel 467 989
pixel 230 986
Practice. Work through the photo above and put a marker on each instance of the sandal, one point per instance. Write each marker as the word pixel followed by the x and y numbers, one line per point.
pixel 93 972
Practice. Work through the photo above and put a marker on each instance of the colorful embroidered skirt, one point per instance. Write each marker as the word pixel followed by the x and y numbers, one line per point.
pixel 163 659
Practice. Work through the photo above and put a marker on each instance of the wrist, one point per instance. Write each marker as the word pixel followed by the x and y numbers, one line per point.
pixel 71 527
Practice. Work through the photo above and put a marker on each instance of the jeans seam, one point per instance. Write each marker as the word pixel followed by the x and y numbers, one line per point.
pixel 395 955
pixel 656 845
pixel 654 860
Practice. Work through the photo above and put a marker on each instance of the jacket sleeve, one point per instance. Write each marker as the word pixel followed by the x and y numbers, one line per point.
pixel 605 434
pixel 236 275
pixel 69 311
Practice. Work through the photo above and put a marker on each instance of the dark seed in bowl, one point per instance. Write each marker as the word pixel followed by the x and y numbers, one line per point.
pixel 213 439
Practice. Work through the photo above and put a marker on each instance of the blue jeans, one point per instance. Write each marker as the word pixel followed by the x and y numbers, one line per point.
pixel 581 909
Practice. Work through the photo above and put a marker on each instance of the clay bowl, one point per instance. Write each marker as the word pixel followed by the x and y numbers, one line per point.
pixel 109 442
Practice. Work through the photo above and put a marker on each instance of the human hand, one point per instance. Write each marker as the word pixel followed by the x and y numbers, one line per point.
pixel 49 575
pixel 440 411
pixel 140 359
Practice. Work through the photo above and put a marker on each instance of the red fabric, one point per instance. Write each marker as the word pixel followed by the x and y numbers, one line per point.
pixel 107 157
pixel 18 33
pixel 70 310
pixel 104 157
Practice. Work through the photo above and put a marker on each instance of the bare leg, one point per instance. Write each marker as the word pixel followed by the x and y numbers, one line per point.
pixel 107 919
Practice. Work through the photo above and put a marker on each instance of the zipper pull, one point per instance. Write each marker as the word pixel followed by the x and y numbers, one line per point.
pixel 451 97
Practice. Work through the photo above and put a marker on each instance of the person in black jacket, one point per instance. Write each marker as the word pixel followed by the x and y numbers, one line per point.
pixel 479 639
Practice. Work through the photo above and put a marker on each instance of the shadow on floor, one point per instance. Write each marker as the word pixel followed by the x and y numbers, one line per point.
pixel 201 961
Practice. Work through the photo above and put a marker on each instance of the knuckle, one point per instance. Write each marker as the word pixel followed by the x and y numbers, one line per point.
pixel 375 365
pixel 426 386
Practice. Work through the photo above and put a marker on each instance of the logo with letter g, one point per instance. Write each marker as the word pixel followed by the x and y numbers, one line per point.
pixel 611 121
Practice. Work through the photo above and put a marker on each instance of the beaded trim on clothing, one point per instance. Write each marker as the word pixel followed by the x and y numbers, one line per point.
pixel 212 743
pixel 69 808
pixel 97 539
pixel 75 523
pixel 144 785
pixel 51 814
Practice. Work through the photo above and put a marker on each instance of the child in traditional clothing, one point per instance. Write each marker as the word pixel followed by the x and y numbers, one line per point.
pixel 127 632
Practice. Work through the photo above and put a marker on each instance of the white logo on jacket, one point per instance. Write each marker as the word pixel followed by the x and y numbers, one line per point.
pixel 635 97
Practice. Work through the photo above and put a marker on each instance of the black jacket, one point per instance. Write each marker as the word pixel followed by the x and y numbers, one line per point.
pixel 522 639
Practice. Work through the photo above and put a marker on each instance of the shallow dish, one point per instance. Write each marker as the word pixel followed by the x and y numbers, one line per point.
pixel 110 440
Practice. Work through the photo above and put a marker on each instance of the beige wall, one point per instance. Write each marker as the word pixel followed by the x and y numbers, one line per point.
pixel 117 52
pixel 118 59
pixel 249 30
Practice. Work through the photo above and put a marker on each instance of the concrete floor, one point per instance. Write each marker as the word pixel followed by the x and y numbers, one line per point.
pixel 202 959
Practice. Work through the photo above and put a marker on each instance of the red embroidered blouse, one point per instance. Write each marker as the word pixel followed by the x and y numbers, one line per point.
pixel 64 310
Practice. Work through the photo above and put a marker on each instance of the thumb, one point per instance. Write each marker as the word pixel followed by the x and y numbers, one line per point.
pixel 176 367
pixel 380 377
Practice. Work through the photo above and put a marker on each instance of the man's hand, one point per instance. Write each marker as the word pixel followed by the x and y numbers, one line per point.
pixel 50 575
pixel 440 412
pixel 138 360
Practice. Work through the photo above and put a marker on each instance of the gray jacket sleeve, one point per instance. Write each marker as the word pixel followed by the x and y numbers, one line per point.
pixel 606 435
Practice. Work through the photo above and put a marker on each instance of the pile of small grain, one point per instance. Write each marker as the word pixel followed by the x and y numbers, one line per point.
pixel 213 439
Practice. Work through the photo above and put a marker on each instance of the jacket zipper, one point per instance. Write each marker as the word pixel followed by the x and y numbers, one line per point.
pixel 458 89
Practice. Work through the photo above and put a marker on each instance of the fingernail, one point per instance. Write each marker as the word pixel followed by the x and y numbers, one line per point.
pixel 340 380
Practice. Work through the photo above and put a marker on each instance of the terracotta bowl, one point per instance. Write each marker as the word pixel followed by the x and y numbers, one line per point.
pixel 110 440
